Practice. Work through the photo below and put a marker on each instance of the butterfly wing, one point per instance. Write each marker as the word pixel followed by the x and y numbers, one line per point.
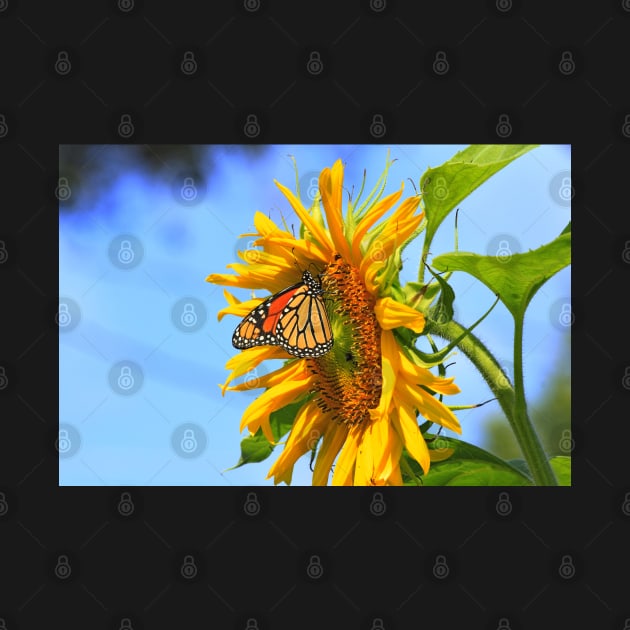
pixel 294 318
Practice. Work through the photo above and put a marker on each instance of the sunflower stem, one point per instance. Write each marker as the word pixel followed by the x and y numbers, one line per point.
pixel 511 399
pixel 522 425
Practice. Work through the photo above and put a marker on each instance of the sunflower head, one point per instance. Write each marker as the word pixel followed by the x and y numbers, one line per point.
pixel 361 399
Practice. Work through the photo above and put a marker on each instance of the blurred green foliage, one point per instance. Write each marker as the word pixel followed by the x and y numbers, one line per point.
pixel 551 414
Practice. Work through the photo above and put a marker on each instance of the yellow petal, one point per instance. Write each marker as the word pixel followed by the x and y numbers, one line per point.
pixel 364 465
pixel 395 479
pixel 405 423
pixel 388 375
pixel 239 308
pixel 257 414
pixel 391 314
pixel 331 190
pixel 266 226
pixel 292 370
pixel 307 426
pixel 319 234
pixel 374 214
pixel 391 350
pixel 418 375
pixel 387 456
pixel 344 468
pixel 395 231
pixel 333 440
pixel 247 360
pixel 301 251
pixel 431 408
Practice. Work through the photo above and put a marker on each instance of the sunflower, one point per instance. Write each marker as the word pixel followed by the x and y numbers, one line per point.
pixel 359 402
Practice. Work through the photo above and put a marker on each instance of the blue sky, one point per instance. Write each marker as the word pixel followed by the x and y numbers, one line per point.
pixel 142 352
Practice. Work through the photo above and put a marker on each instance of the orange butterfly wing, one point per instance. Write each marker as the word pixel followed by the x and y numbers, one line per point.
pixel 295 318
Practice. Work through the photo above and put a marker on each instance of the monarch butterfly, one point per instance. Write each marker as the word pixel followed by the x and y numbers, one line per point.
pixel 294 318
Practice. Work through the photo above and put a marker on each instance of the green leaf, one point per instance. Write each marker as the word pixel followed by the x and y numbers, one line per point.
pixel 256 448
pixel 282 420
pixel 445 186
pixel 561 465
pixel 442 311
pixel 419 295
pixel 515 279
pixel 521 465
pixel 468 466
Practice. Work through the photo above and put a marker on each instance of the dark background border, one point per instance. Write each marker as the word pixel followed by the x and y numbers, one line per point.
pixel 313 72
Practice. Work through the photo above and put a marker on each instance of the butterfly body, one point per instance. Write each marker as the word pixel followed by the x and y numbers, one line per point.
pixel 294 318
